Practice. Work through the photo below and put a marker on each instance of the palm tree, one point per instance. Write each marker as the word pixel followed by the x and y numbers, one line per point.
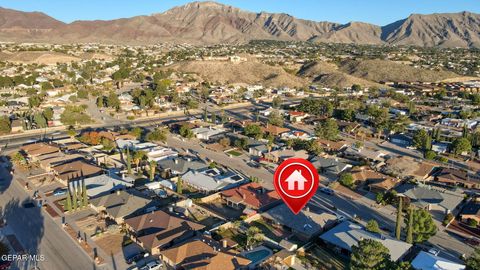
pixel 138 157
pixel 153 166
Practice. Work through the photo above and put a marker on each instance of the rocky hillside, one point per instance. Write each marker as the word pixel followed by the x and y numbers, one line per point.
pixel 210 22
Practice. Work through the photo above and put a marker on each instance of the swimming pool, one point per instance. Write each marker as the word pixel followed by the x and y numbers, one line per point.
pixel 258 255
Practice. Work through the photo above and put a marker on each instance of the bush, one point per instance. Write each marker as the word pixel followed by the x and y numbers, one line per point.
pixel 472 223
pixel 448 218
pixel 430 155
pixel 346 179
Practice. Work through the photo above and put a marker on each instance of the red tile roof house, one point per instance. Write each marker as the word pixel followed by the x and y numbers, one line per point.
pixel 250 196
pixel 159 230
pixel 296 117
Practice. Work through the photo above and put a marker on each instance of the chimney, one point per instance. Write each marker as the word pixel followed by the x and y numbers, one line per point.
pixel 123 176
pixel 176 161
pixel 189 159
pixel 224 243
pixel 244 196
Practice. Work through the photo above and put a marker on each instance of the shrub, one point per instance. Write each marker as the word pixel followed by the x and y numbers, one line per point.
pixel 472 223
pixel 448 218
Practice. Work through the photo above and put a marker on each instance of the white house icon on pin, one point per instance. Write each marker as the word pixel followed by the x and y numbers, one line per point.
pixel 296 179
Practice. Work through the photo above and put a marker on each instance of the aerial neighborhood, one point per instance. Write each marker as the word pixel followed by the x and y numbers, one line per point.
pixel 162 156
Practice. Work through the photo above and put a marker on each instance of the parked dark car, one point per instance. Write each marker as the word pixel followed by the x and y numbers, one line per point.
pixel 135 257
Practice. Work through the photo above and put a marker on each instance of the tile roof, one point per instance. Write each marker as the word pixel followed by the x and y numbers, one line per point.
pixel 252 195
pixel 204 254
pixel 309 221
pixel 76 169
pixel 159 228
pixel 122 203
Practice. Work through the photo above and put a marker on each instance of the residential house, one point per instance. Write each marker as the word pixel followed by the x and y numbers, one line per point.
pixel 75 170
pixel 47 162
pixel 406 168
pixel 34 151
pixel 309 223
pixel 330 166
pixel 429 198
pixel 212 179
pixel 250 196
pixel 258 149
pixel 104 184
pixel 455 177
pixel 296 117
pixel 159 153
pixel 203 253
pixel 345 235
pixel 471 211
pixel 158 230
pixel 274 130
pixel 281 155
pixel 331 146
pixel 296 135
pixel 180 165
pixel 428 261
pixel 365 154
pixel 401 139
pixel 206 134
pixel 122 204
pixel 376 182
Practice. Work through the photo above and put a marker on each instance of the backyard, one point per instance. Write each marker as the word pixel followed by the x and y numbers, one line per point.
pixel 320 258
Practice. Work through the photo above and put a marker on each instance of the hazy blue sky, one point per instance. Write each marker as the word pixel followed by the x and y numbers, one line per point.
pixel 379 12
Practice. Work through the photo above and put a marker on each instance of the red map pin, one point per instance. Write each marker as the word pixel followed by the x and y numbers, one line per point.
pixel 296 181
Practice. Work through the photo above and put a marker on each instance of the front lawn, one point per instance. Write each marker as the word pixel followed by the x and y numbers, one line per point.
pixel 233 153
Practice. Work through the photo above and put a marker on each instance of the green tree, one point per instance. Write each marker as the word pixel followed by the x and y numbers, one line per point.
pixel 84 195
pixel 254 236
pixel 473 262
pixel 5 125
pixel 422 140
pixel 138 157
pixel 74 200
pixel 113 101
pixel 398 225
pixel 253 130
pixel 137 132
pixel 423 226
pixel 157 135
pixel 276 119
pixel 48 114
pixel 461 145
pixel 75 115
pixel 180 186
pixel 213 117
pixel 277 102
pixel 34 101
pixel 186 132
pixel 372 226
pixel 369 254
pixel 410 226
pixel 68 201
pixel 328 130
pixel 40 120
pixel 153 166
pixel 347 180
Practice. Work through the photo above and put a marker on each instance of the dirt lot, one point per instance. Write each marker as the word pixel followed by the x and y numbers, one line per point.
pixel 111 243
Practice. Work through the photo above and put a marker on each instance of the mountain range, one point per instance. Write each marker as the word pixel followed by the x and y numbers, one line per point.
pixel 211 22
